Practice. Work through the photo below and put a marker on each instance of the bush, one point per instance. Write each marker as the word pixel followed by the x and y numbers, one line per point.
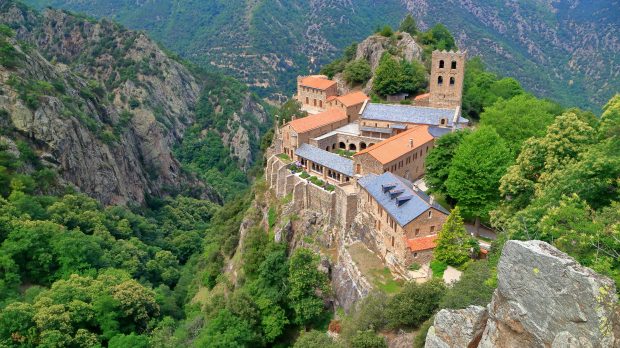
pixel 367 339
pixel 474 288
pixel 330 187
pixel 414 266
pixel 414 304
pixel 386 31
pixel 357 72
pixel 420 339
pixel 438 268
pixel 304 175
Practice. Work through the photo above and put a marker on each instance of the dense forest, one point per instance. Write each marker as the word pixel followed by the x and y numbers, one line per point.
pixel 179 270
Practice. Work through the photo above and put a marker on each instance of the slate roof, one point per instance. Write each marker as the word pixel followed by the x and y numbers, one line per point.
pixel 399 145
pixel 438 132
pixel 403 207
pixel 326 159
pixel 409 114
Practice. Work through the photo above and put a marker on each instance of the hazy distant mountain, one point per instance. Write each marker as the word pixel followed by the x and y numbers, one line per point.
pixel 565 49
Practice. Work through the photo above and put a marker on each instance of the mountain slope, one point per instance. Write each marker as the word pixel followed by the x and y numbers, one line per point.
pixel 567 49
pixel 106 106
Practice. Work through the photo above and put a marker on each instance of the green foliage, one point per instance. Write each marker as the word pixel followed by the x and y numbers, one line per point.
pixel 339 65
pixel 408 25
pixel 414 304
pixel 9 56
pixel 439 160
pixel 367 339
pixel 473 288
pixel 392 77
pixel 313 339
pixel 291 108
pixel 482 89
pixel 357 72
pixel 386 31
pixel 305 280
pixel 520 118
pixel 226 330
pixel 420 338
pixel 453 241
pixel 478 164
pixel 131 340
pixel 438 267
pixel 438 38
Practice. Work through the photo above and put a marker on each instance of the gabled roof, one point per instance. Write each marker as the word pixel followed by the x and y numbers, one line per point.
pixel 326 159
pixel 422 96
pixel 422 243
pixel 317 82
pixel 410 114
pixel 353 98
pixel 324 118
pixel 394 147
pixel 402 208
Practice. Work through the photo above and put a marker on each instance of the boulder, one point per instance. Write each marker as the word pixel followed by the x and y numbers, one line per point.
pixel 457 328
pixel 545 296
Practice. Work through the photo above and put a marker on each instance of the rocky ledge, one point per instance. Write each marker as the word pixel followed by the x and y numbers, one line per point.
pixel 544 299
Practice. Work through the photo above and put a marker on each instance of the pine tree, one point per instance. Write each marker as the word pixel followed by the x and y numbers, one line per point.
pixel 408 25
pixel 453 242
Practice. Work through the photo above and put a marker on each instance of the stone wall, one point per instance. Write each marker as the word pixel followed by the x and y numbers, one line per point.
pixel 334 141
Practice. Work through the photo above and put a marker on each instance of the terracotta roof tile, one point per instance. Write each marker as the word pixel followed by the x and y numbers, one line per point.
pixel 398 145
pixel 422 243
pixel 353 98
pixel 324 118
pixel 317 82
pixel 422 96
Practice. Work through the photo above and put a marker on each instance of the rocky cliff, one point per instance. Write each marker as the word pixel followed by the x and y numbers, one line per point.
pixel 544 299
pixel 106 106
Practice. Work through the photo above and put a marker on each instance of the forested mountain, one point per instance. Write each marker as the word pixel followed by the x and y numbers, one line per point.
pixel 566 50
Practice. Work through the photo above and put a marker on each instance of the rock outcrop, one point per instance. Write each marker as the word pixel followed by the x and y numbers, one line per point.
pixel 544 299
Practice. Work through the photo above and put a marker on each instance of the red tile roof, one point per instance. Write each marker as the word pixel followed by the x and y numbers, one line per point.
pixel 317 82
pixel 422 96
pixel 353 98
pixel 398 145
pixel 422 243
pixel 324 118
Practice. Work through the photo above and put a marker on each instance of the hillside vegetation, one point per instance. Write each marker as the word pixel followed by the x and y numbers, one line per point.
pixel 566 50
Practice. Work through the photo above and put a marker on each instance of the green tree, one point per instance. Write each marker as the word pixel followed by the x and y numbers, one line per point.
pixel 387 76
pixel 131 340
pixel 439 161
pixel 520 118
pixel 386 31
pixel 408 25
pixel 453 243
pixel 357 72
pixel 478 164
pixel 473 288
pixel 439 38
pixel 367 339
pixel 226 330
pixel 412 77
pixel 414 304
pixel 305 280
pixel 313 339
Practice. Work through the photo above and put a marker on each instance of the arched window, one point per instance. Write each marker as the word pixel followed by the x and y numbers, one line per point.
pixel 342 145
pixel 352 147
pixel 451 81
pixel 440 80
pixel 333 146
pixel 327 148
pixel 441 64
pixel 443 121
pixel 453 64
pixel 362 145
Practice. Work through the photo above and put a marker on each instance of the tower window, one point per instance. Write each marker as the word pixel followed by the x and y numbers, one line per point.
pixel 440 80
pixel 451 81
pixel 453 64
pixel 441 64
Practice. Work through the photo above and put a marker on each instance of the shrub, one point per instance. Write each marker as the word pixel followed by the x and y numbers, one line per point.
pixel 438 268
pixel 330 187
pixel 420 339
pixel 134 103
pixel 367 339
pixel 414 266
pixel 386 31
pixel 414 304
pixel 357 72
pixel 304 175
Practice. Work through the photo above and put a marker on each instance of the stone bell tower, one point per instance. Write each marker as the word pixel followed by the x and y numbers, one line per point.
pixel 446 84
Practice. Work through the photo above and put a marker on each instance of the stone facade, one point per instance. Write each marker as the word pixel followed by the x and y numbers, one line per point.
pixel 409 166
pixel 343 141
pixel 391 238
pixel 446 83
pixel 291 139
pixel 314 100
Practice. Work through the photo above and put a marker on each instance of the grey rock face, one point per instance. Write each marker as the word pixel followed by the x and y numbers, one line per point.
pixel 544 299
pixel 457 328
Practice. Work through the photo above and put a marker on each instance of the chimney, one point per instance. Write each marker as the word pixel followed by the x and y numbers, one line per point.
pixel 432 200
pixel 411 143
pixel 293 117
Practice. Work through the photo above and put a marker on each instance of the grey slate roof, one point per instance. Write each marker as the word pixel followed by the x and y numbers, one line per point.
pixel 409 114
pixel 438 132
pixel 326 159
pixel 398 197
pixel 376 129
